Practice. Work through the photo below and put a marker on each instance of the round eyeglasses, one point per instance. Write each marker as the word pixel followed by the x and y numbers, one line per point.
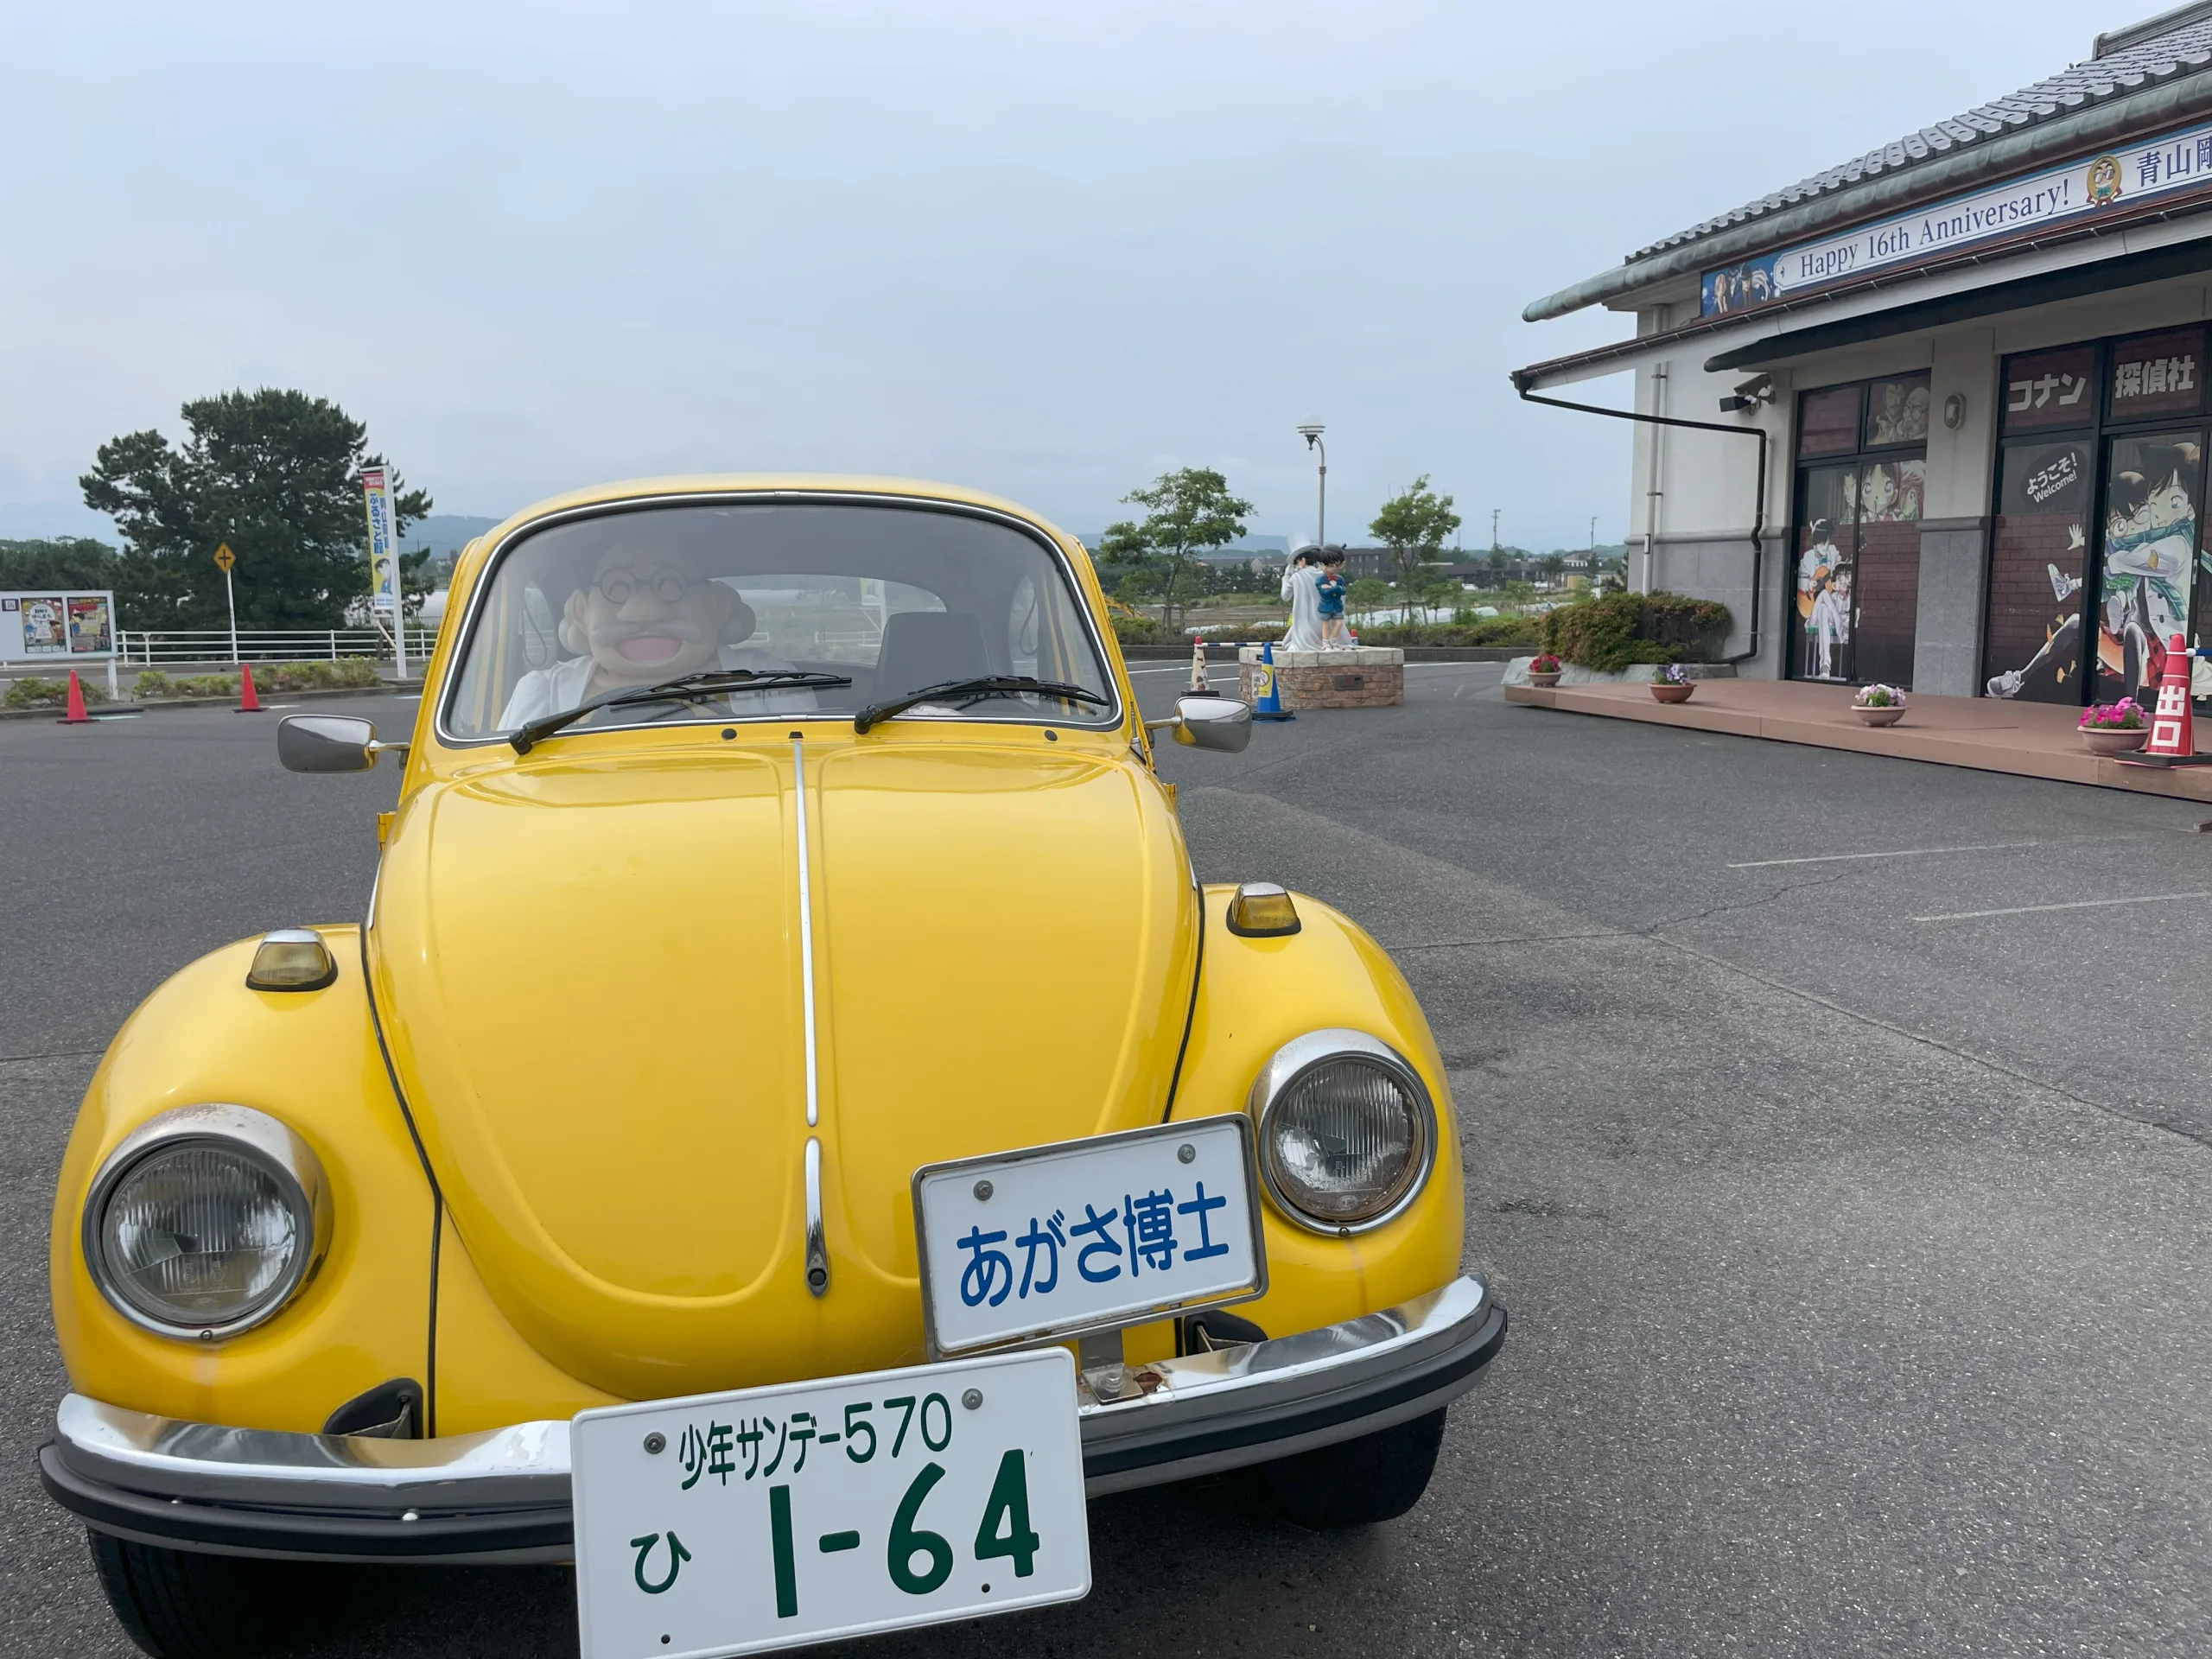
pixel 667 586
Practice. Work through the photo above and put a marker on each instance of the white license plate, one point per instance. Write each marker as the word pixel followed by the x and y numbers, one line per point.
pixel 1087 1235
pixel 773 1518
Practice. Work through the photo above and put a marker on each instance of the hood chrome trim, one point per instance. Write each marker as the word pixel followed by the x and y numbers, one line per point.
pixel 805 931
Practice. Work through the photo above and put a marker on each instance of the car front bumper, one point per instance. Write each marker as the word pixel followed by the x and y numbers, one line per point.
pixel 502 1495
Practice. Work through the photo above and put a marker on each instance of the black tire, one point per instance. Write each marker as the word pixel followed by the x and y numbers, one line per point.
pixel 179 1604
pixel 1377 1476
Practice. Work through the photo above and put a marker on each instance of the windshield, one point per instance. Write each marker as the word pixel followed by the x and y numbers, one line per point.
pixel 893 599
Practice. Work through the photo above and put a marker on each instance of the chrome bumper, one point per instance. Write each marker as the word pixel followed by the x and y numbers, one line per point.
pixel 503 1496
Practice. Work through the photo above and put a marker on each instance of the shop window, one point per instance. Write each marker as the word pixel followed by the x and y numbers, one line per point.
pixel 2156 376
pixel 1857 597
pixel 2038 568
pixel 1827 537
pixel 2154 485
pixel 2050 390
pixel 1897 411
pixel 1827 422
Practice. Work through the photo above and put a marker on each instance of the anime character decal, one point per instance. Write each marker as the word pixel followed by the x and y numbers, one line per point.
pixel 1823 603
pixel 2060 651
pixel 1739 288
pixel 2039 574
pixel 1892 491
pixel 2149 559
pixel 1896 412
pixel 2104 180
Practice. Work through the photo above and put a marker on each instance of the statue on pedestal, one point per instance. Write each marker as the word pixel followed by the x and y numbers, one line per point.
pixel 1301 580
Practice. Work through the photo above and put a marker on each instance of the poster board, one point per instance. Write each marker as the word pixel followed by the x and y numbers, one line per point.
pixel 57 625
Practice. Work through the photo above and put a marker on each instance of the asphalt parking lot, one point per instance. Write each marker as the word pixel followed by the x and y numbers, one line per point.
pixel 1838 1145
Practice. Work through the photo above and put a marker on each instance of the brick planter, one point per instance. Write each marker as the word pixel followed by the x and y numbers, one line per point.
pixel 1369 677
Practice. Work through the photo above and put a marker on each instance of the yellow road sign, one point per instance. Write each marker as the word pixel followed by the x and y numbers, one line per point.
pixel 224 558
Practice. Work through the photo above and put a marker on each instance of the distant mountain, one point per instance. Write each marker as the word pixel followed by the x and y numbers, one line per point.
pixel 444 532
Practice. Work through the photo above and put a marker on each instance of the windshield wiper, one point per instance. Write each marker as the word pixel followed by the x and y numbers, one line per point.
pixel 688 688
pixel 974 690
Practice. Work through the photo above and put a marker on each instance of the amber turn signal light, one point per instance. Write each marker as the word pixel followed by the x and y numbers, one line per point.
pixel 292 959
pixel 1262 910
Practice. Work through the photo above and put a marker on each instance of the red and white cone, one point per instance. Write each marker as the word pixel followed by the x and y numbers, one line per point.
pixel 2173 731
pixel 249 700
pixel 74 714
pixel 1198 663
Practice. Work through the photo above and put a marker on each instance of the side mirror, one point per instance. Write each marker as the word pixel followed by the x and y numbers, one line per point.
pixel 329 743
pixel 1202 722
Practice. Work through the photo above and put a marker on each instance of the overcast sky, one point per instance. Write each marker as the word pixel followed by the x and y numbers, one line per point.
pixel 1046 249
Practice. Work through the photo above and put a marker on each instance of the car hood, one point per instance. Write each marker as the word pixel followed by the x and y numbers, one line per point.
pixel 588 975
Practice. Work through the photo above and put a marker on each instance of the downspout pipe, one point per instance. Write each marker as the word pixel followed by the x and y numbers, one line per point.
pixel 1759 501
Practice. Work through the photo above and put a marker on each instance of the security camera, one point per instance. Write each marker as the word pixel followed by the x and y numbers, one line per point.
pixel 1759 388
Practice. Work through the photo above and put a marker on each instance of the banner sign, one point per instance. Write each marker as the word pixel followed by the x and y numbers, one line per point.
pixel 2173 166
pixel 56 627
pixel 384 542
pixel 2158 374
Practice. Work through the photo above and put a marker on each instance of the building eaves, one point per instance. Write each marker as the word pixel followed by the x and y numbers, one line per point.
pixel 2126 89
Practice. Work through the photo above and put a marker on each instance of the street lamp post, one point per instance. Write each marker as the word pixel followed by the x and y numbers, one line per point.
pixel 1310 431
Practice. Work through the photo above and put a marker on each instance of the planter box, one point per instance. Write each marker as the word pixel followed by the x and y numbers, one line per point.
pixel 1666 692
pixel 1886 716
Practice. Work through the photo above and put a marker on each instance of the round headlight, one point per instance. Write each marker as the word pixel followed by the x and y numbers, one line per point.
pixel 204 1221
pixel 1347 1134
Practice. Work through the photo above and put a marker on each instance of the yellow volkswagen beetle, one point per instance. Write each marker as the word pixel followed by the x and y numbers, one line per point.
pixel 785 1021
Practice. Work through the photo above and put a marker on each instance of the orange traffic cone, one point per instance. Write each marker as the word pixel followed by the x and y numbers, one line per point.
pixel 2173 731
pixel 75 714
pixel 249 700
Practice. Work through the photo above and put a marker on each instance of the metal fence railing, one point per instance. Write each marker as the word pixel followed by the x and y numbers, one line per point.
pixel 147 648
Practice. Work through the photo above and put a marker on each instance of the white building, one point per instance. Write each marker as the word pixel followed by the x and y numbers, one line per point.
pixel 1972 365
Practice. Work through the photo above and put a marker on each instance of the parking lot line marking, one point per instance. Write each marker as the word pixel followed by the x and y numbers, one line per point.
pixel 1907 852
pixel 2078 903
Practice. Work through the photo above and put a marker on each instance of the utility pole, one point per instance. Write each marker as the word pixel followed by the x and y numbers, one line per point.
pixel 1493 530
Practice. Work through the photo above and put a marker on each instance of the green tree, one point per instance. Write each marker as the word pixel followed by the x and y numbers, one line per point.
pixel 1438 593
pixel 276 474
pixel 1188 510
pixel 1368 594
pixel 1414 524
pixel 67 562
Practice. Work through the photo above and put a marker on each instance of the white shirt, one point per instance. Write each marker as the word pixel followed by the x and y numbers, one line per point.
pixel 545 691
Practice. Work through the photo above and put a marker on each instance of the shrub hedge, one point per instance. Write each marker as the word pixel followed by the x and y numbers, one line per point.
pixel 1619 629
pixel 344 674
pixel 36 693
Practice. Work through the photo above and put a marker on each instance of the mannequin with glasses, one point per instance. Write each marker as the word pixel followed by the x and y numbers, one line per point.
pixel 642 618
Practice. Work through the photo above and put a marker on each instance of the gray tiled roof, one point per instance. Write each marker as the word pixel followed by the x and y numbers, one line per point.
pixel 2126 66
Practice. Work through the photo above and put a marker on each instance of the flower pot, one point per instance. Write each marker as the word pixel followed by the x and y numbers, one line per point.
pixel 1545 680
pixel 2113 740
pixel 1669 693
pixel 1873 716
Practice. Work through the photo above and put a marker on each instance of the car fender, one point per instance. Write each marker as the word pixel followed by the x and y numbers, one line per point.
pixel 311 1060
pixel 1252 996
